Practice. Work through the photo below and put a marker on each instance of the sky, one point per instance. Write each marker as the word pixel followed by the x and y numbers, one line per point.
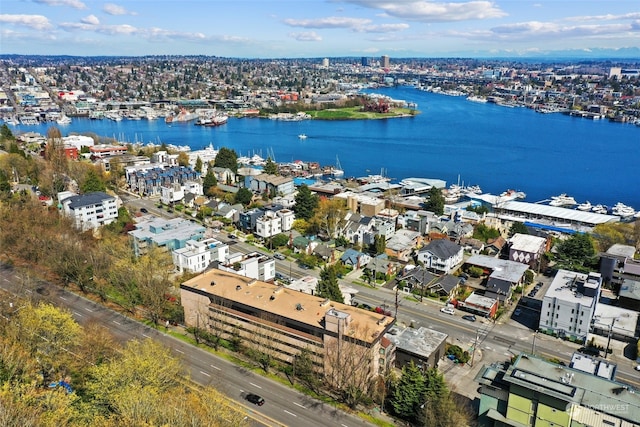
pixel 319 28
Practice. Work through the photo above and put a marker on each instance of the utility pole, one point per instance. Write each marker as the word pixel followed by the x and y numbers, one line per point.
pixel 475 345
pixel 533 346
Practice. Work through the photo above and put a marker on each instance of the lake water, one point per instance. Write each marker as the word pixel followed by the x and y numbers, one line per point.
pixel 496 147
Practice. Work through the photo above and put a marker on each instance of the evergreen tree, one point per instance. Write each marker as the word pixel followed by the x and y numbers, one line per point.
pixel 243 196
pixel 227 158
pixel 328 285
pixel 518 228
pixel 198 167
pixel 93 182
pixel 408 393
pixel 270 167
pixel 209 181
pixel 435 203
pixel 379 244
pixel 306 203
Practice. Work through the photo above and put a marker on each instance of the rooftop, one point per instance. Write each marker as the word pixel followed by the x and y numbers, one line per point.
pixel 421 342
pixel 564 288
pixel 288 303
pixel 527 243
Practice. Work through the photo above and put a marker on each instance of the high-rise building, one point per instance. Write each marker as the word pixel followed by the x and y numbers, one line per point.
pixel 364 61
pixel 325 63
pixel 384 61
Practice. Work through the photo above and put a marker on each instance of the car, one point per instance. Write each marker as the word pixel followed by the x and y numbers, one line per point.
pixel 517 312
pixel 231 236
pixel 447 310
pixel 304 266
pixel 255 399
pixel 637 367
pixel 469 317
pixel 279 256
pixel 144 210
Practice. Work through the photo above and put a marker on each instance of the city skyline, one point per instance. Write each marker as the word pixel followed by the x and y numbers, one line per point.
pixel 315 28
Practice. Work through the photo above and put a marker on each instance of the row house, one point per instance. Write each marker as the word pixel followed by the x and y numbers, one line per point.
pixel 148 180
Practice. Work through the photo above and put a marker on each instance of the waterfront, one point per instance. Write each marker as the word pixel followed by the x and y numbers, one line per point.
pixel 485 144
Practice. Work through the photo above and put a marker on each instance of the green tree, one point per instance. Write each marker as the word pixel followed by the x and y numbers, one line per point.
pixel 435 203
pixel 5 133
pixel 408 393
pixel 198 166
pixel 379 244
pixel 93 181
pixel 518 228
pixel 227 158
pixel 484 233
pixel 244 196
pixel 306 203
pixel 577 253
pixel 270 167
pixel 328 285
pixel 210 181
pixel 279 240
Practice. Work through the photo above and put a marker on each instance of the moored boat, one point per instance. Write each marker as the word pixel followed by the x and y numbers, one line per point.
pixel 586 206
pixel 562 200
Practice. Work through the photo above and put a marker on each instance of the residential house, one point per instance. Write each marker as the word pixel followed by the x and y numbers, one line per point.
pixel 89 211
pixel 527 249
pixel 193 258
pixel 422 346
pixel 471 245
pixel 271 184
pixel 326 253
pixel 284 321
pixel 254 265
pixel 415 278
pixel 224 175
pixel 494 246
pixel 441 256
pixel 355 259
pixel 445 286
pixel 502 275
pixel 356 227
pixel 172 193
pixel 402 244
pixel 268 225
pixel 618 265
pixel 457 230
pixel 231 212
pixel 479 304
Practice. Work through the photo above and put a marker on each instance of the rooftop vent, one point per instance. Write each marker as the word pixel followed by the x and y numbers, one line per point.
pixel 325 302
pixel 238 288
pixel 278 289
pixel 272 297
pixel 212 283
pixel 253 282
pixel 299 307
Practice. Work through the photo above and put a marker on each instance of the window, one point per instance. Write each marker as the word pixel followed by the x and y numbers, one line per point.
pixel 572 310
pixel 382 351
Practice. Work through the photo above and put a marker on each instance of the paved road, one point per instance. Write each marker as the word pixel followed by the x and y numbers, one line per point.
pixel 283 407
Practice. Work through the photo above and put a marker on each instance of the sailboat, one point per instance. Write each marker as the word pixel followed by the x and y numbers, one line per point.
pixel 338 171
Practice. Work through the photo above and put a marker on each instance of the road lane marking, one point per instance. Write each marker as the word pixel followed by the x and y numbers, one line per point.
pixel 343 425
pixel 255 385
pixel 88 309
pixel 146 336
pixel 116 322
pixel 179 351
pixel 215 367
pixel 63 298
pixel 204 373
pixel 290 413
pixel 77 314
pixel 302 406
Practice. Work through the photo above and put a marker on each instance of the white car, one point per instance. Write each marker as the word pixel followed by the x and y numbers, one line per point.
pixel 638 368
pixel 447 310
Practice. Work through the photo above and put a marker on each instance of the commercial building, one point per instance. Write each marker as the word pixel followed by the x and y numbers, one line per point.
pixel 532 391
pixel 342 340
pixel 170 234
pixel 422 346
pixel 569 304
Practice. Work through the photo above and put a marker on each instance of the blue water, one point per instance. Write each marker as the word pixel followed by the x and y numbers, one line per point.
pixel 495 147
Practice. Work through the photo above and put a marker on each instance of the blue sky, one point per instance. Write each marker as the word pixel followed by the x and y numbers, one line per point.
pixel 317 28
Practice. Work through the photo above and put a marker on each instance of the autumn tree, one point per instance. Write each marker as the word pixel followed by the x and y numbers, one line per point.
pixel 151 273
pixel 183 159
pixel 329 218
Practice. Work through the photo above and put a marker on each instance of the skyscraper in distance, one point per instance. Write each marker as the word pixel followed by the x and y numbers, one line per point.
pixel 384 61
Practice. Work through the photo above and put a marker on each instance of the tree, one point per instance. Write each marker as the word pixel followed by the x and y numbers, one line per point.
pixel 306 203
pixel 227 158
pixel 183 159
pixel 93 181
pixel 270 167
pixel 198 166
pixel 328 285
pixel 244 196
pixel 518 227
pixel 408 393
pixel 330 216
pixel 210 181
pixel 577 253
pixel 379 244
pixel 435 203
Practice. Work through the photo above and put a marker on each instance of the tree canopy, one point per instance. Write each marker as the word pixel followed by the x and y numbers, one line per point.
pixel 270 167
pixel 328 285
pixel 576 253
pixel 244 196
pixel 435 203
pixel 306 203
pixel 227 158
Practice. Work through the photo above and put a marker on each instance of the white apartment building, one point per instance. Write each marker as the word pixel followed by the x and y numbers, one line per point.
pixel 194 257
pixel 89 211
pixel 569 304
pixel 268 225
pixel 171 194
pixel 253 265
pixel 287 216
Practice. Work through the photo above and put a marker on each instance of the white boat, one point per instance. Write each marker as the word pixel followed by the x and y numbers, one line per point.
pixel 586 206
pixel 601 209
pixel 474 98
pixel 337 171
pixel 302 136
pixel 562 200
pixel 622 210
pixel 64 120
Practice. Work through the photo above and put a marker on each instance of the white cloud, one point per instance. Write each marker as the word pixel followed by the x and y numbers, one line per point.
pixel 309 36
pixel 37 22
pixel 608 17
pixel 114 9
pixel 384 28
pixel 90 20
pixel 329 22
pixel 71 3
pixel 429 11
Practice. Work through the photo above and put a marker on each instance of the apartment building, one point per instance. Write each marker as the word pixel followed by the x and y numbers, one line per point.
pixel 569 304
pixel 342 340
pixel 253 265
pixel 89 211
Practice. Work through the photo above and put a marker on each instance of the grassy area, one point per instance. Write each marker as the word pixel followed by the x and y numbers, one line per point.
pixel 356 113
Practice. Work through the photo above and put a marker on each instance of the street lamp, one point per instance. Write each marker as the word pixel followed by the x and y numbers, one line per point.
pixel 475 345
pixel 606 352
pixel 533 346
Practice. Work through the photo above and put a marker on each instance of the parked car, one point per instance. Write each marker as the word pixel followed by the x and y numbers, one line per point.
pixel 517 312
pixel 255 399
pixel 144 210
pixel 469 317
pixel 447 310
pixel 232 236
pixel 638 368
pixel 279 256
